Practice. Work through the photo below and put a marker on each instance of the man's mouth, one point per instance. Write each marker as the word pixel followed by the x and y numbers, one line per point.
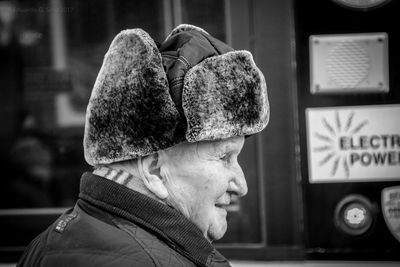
pixel 223 202
pixel 222 205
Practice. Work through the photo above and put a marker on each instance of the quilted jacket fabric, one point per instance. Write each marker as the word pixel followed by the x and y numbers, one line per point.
pixel 112 225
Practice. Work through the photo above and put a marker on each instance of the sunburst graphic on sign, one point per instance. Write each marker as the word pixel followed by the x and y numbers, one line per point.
pixel 330 138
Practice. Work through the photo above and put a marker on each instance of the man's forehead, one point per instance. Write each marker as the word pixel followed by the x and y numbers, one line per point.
pixel 234 142
pixel 214 145
pixel 201 150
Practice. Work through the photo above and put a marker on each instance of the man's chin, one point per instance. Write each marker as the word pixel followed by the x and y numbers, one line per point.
pixel 217 231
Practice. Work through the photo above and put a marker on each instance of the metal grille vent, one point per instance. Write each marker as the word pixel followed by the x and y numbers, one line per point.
pixel 348 64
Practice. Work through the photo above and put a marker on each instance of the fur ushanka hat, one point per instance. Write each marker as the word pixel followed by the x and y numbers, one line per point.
pixel 192 87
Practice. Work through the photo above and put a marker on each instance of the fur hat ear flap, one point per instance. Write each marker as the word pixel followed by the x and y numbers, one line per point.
pixel 225 96
pixel 130 112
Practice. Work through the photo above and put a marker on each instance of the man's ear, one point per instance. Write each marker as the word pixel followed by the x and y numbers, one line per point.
pixel 150 174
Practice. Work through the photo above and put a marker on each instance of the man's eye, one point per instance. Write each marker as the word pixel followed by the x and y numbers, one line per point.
pixel 224 157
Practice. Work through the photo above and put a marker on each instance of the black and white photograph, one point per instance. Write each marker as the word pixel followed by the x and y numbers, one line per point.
pixel 213 133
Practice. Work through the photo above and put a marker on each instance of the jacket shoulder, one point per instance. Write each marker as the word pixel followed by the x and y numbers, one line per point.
pixel 161 253
pixel 79 239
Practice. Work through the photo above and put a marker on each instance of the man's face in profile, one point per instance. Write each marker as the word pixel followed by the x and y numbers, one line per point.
pixel 201 179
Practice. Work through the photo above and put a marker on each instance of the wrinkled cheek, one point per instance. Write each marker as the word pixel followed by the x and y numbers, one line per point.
pixel 209 185
pixel 196 206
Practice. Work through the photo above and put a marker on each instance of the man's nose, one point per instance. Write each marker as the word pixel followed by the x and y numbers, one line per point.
pixel 238 184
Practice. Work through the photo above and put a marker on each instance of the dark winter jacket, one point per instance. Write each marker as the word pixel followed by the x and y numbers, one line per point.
pixel 112 225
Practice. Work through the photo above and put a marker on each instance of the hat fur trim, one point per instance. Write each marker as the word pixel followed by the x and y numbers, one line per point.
pixel 225 96
pixel 130 112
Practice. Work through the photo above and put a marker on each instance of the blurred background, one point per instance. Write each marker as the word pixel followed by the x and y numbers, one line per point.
pixel 324 177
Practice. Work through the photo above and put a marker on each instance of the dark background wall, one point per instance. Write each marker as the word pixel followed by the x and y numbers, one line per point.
pixel 323 240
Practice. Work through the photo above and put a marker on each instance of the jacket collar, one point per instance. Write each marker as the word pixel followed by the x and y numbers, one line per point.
pixel 168 224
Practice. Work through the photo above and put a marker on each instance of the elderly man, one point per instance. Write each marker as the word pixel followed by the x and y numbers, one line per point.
pixel 165 125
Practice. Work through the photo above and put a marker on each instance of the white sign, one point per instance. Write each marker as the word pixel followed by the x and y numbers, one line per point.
pixel 350 144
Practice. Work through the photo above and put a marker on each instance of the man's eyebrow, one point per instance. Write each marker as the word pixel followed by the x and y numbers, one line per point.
pixel 226 146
